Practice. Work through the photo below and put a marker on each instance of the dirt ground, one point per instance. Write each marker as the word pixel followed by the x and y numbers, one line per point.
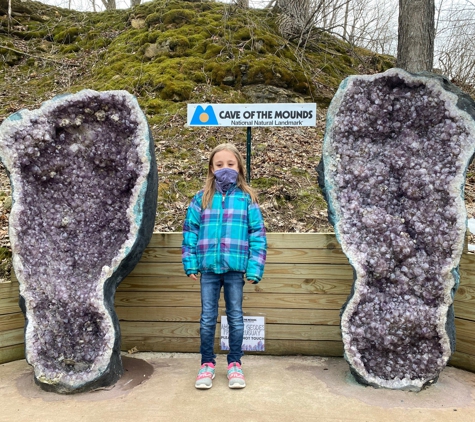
pixel 160 387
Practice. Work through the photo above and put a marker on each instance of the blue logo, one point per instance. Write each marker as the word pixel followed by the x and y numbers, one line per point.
pixel 204 117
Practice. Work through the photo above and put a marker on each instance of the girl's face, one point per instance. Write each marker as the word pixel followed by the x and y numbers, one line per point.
pixel 224 159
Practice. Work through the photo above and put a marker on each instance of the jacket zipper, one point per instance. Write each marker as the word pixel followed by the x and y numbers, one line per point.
pixel 218 232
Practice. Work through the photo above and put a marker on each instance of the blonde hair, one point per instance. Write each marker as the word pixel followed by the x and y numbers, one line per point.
pixel 209 188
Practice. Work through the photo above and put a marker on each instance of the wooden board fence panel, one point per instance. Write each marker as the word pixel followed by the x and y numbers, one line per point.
pixel 306 281
pixel 464 310
pixel 274 256
pixel 11 321
pixel 11 337
pixel 463 360
pixel 192 329
pixel 284 270
pixel 190 314
pixel 255 300
pixel 11 353
pixel 273 347
pixel 267 284
pixel 9 305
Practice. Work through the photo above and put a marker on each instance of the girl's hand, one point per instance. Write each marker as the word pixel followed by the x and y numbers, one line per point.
pixel 252 281
pixel 193 276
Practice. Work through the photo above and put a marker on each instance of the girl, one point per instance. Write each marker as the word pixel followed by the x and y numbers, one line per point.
pixel 224 238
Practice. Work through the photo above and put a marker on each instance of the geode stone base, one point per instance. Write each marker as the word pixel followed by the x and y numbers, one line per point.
pixel 395 153
pixel 84 182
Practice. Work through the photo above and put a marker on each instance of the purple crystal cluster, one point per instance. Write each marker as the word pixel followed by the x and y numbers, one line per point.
pixel 395 154
pixel 84 180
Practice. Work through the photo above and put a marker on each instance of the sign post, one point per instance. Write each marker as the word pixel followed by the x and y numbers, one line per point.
pixel 252 115
pixel 248 155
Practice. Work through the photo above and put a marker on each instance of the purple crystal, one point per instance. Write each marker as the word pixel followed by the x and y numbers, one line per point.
pixel 84 180
pixel 395 154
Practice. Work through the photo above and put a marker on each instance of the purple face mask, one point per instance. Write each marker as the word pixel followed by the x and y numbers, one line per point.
pixel 225 179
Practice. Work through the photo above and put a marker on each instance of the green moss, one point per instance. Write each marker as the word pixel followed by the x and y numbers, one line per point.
pixel 184 154
pixel 30 35
pixel 5 263
pixel 153 19
pixel 270 41
pixel 153 36
pixel 298 171
pixel 212 50
pixel 179 45
pixel 66 36
pixel 71 48
pixel 97 43
pixel 138 37
pixel 382 63
pixel 8 56
pixel 176 90
pixel 242 34
pixel 178 16
pixel 190 187
pixel 265 182
pixel 209 17
pixel 200 47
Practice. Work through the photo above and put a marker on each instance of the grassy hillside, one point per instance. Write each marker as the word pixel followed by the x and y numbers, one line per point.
pixel 168 53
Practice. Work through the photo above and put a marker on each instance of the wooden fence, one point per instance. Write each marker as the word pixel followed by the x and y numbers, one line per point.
pixel 307 279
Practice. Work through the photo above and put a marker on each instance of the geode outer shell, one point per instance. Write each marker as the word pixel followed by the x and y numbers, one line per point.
pixel 84 188
pixel 395 154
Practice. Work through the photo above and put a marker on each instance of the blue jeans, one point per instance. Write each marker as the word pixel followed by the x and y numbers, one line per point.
pixel 233 283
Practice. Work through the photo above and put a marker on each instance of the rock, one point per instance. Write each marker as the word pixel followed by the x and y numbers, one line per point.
pixel 45 46
pixel 395 153
pixel 7 203
pixel 84 188
pixel 271 94
pixel 154 50
pixel 137 23
pixel 229 80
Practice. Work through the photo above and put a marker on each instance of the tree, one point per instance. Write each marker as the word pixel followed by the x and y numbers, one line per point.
pixel 109 4
pixel 364 23
pixel 244 4
pixel 294 17
pixel 455 43
pixel 416 33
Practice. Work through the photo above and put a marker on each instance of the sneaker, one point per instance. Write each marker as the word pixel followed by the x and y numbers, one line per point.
pixel 235 376
pixel 205 376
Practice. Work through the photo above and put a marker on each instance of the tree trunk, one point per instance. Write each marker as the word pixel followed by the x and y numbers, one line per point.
pixel 293 18
pixel 345 23
pixel 135 3
pixel 415 50
pixel 244 4
pixel 109 4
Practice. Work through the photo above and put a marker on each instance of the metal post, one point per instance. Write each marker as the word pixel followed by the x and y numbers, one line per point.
pixel 248 156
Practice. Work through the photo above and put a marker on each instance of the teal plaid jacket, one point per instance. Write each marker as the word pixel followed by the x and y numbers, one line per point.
pixel 228 236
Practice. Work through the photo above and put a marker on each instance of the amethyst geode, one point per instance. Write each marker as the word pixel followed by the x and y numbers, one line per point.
pixel 396 149
pixel 84 182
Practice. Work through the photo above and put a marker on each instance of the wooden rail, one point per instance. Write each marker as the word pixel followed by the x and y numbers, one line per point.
pixel 306 281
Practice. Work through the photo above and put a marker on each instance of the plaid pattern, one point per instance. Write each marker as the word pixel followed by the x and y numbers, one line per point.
pixel 228 236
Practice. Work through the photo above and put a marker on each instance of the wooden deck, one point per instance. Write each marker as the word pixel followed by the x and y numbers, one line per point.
pixel 307 279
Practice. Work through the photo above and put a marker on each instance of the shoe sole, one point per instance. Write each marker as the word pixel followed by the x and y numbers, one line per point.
pixel 236 386
pixel 203 386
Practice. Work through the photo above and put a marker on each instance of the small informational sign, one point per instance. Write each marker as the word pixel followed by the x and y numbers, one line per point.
pixel 252 115
pixel 254 334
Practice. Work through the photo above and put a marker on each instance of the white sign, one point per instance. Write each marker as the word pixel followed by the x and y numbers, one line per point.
pixel 275 114
pixel 254 334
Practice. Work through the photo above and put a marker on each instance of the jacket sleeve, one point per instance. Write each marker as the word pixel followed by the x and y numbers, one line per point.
pixel 257 243
pixel 191 229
